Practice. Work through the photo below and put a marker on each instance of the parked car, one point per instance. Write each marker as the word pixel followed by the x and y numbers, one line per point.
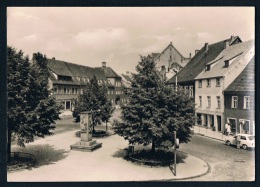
pixel 246 140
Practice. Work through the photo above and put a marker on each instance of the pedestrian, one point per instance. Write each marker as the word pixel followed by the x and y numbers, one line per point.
pixel 238 141
pixel 228 129
pixel 226 126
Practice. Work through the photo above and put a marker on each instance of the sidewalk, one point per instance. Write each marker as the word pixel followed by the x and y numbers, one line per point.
pixel 209 133
pixel 104 164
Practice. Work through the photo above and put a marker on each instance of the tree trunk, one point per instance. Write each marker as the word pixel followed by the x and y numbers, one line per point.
pixel 106 126
pixel 9 141
pixel 153 146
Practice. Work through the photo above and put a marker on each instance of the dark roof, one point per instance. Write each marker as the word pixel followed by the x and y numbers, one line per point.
pixel 245 80
pixel 197 64
pixel 237 52
pixel 76 71
pixel 59 67
pixel 109 72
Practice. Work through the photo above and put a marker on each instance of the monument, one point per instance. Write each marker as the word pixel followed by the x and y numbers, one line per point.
pixel 86 125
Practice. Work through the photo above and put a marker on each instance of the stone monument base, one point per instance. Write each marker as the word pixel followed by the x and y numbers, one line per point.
pixel 87 146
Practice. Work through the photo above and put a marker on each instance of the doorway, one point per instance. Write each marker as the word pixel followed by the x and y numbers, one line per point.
pixel 219 122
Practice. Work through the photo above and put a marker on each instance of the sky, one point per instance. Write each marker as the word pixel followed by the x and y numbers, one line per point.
pixel 119 35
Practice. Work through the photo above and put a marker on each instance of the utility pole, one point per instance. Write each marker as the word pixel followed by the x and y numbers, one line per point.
pixel 175 146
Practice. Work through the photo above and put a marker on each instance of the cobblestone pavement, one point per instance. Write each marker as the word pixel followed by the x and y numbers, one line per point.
pixel 227 163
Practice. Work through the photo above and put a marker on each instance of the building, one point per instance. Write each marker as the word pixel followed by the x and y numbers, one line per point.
pixel 67 81
pixel 169 60
pixel 240 101
pixel 185 78
pixel 217 75
pixel 115 86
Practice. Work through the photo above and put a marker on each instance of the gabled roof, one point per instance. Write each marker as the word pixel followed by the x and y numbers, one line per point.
pixel 236 53
pixel 76 71
pixel 59 67
pixel 109 72
pixel 170 45
pixel 198 63
pixel 126 77
pixel 245 80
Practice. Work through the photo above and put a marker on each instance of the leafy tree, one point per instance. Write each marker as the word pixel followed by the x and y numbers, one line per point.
pixel 94 98
pixel 154 110
pixel 31 110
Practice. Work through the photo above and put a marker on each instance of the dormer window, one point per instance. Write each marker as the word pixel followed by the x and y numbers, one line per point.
pixel 207 67
pixel 226 63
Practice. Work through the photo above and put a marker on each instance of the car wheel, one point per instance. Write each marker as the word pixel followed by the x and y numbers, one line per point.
pixel 244 146
pixel 228 142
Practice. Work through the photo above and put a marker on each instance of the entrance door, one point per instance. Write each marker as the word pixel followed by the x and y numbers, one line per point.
pixel 233 125
pixel 67 105
pixel 244 126
pixel 219 122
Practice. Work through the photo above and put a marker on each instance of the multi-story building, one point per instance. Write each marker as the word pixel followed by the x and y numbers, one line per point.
pixel 217 75
pixel 185 78
pixel 240 101
pixel 169 60
pixel 67 81
pixel 115 92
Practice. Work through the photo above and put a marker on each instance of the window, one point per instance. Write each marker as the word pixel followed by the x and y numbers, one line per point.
pixel 209 101
pixel 208 82
pixel 200 83
pixel 64 90
pixel 218 102
pixel 234 102
pixel 73 90
pixel 217 81
pixel 191 91
pixel 55 90
pixel 246 102
pixel 186 89
pixel 200 101
pixel 76 89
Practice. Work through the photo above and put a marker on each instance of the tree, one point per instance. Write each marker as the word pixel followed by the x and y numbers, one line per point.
pixel 31 110
pixel 154 110
pixel 94 98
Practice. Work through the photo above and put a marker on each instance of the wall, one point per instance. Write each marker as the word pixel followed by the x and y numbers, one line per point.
pixel 163 59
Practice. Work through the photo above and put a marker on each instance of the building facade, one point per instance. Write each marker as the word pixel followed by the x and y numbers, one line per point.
pixel 169 61
pixel 216 77
pixel 240 101
pixel 185 78
pixel 67 81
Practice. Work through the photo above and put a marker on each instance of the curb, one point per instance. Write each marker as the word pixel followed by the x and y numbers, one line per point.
pixel 209 137
pixel 191 177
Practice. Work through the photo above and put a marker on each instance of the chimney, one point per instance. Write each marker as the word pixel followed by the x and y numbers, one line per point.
pixel 196 51
pixel 53 58
pixel 206 47
pixel 190 55
pixel 127 73
pixel 103 65
pixel 226 44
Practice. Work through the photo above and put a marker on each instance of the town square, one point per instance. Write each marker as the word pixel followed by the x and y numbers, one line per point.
pixel 130 94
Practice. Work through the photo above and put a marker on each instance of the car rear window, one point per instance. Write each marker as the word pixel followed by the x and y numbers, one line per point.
pixel 251 137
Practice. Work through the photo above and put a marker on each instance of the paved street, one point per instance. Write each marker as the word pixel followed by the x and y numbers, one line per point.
pixel 227 163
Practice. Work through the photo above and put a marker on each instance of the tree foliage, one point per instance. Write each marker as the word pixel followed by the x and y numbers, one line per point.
pixel 94 98
pixel 31 110
pixel 154 110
